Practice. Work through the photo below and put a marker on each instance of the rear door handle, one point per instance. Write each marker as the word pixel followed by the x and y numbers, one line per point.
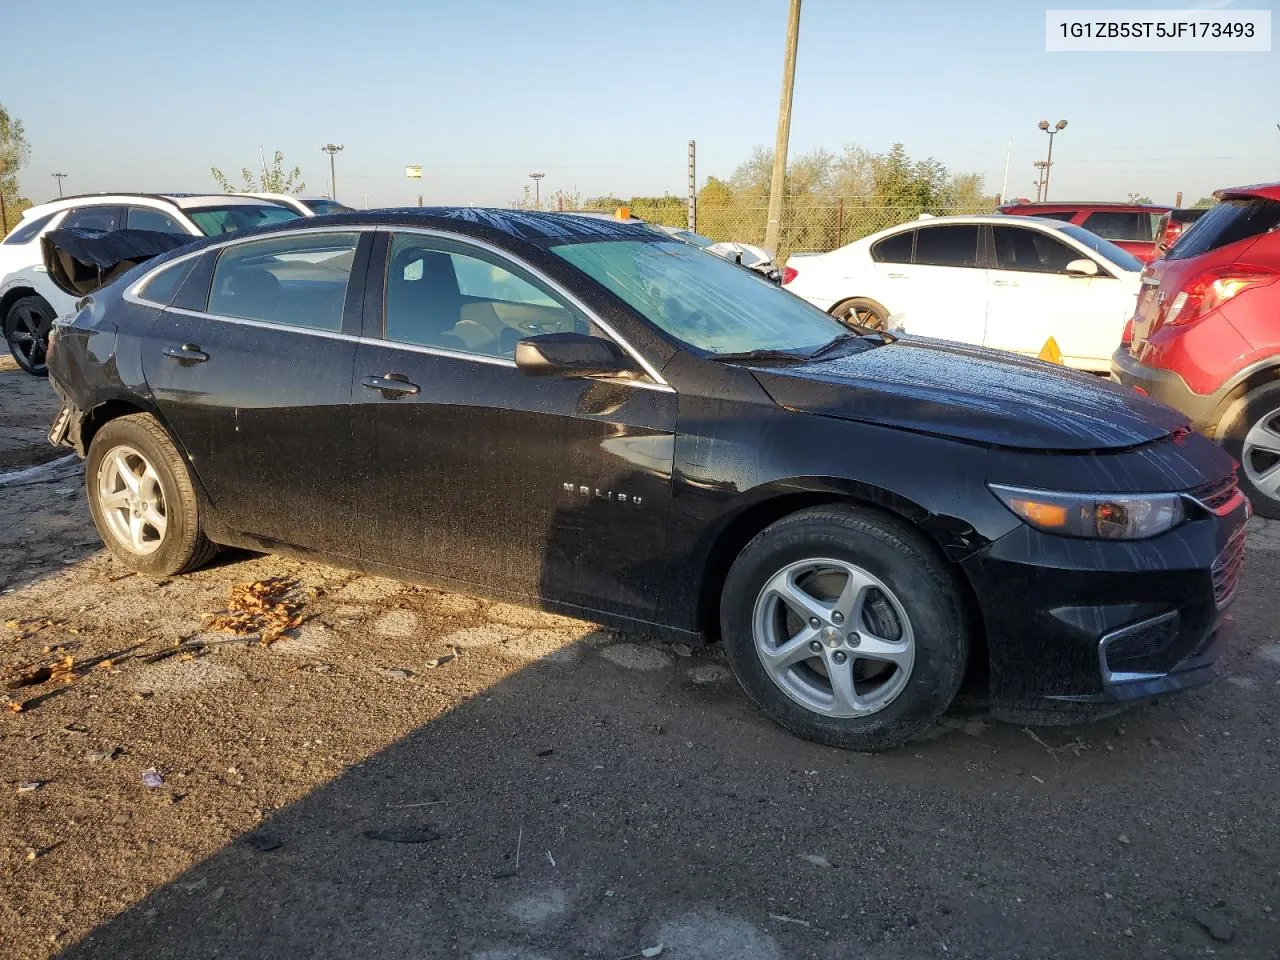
pixel 896 276
pixel 1004 283
pixel 186 354
pixel 392 385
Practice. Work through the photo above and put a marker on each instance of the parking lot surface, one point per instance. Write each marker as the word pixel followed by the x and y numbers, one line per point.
pixel 413 773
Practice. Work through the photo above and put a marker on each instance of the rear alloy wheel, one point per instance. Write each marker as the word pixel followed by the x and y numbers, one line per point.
pixel 861 312
pixel 26 330
pixel 1252 435
pixel 844 626
pixel 142 500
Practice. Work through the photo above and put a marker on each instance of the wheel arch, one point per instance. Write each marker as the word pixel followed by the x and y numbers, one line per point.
pixel 1238 394
pixel 14 294
pixel 944 534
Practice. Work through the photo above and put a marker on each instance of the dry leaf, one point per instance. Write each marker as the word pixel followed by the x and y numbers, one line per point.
pixel 268 608
pixel 14 706
pixel 106 664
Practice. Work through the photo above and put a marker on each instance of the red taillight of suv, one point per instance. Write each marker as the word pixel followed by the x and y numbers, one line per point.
pixel 788 274
pixel 1213 288
pixel 1126 338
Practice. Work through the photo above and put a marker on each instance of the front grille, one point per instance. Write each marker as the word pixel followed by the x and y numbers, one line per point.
pixel 1139 649
pixel 1226 569
pixel 1216 495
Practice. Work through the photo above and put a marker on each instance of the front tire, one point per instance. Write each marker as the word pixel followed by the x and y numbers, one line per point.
pixel 1251 434
pixel 843 626
pixel 26 331
pixel 142 500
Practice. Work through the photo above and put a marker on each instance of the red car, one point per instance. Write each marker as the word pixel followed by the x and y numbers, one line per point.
pixel 1138 228
pixel 1205 337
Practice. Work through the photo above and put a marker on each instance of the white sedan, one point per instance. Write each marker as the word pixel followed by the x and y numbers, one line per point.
pixel 997 281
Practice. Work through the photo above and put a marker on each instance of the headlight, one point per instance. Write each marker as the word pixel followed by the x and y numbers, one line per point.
pixel 1101 516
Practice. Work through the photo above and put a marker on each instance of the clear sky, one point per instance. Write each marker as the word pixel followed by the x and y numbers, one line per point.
pixel 603 96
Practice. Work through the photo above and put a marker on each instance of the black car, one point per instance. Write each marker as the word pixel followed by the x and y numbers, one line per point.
pixel 615 425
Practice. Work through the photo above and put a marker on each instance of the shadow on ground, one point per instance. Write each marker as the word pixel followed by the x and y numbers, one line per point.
pixel 613 797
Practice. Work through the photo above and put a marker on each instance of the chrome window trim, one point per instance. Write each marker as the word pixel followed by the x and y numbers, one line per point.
pixel 506 255
pixel 265 324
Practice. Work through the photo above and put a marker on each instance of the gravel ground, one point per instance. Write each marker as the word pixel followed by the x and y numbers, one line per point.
pixel 557 792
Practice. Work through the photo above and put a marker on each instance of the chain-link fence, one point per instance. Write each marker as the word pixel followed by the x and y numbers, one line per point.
pixel 808 223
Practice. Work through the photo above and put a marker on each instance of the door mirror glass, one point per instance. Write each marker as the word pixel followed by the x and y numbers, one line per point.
pixel 1084 267
pixel 570 355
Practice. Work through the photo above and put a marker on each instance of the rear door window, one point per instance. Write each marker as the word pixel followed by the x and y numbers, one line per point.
pixel 1122 225
pixel 105 218
pixel 949 245
pixel 895 249
pixel 149 218
pixel 1229 222
pixel 300 281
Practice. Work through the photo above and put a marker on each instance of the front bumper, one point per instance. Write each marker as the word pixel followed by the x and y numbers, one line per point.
pixel 1075 626
pixel 1169 388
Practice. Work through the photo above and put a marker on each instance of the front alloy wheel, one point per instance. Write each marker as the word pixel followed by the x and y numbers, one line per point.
pixel 131 500
pixel 833 637
pixel 1260 456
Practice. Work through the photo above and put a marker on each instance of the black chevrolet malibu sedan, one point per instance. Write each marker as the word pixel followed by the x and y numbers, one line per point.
pixel 607 423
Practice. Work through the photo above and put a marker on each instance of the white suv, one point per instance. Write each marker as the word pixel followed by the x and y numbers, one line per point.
pixel 997 281
pixel 29 301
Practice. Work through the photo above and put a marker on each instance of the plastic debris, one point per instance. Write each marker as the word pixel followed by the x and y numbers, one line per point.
pixel 151 779
pixel 29 785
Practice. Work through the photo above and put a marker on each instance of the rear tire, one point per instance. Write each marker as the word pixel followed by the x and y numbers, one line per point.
pixel 903 635
pixel 26 331
pixel 861 312
pixel 142 500
pixel 1251 434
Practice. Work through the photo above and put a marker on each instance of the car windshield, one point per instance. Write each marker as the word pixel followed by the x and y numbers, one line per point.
pixel 705 302
pixel 1104 248
pixel 214 220
pixel 321 206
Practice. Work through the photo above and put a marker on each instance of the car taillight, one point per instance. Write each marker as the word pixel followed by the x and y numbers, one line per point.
pixel 788 274
pixel 1213 288
pixel 1126 338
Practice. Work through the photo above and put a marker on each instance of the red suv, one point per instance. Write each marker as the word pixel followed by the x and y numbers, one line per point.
pixel 1205 337
pixel 1139 228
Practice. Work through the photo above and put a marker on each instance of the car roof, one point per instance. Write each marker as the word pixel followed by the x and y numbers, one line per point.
pixel 529 225
pixel 183 201
pixel 997 218
pixel 1085 205
pixel 1266 191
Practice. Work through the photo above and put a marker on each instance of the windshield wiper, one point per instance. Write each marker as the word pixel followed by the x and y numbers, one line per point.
pixel 844 339
pixel 761 356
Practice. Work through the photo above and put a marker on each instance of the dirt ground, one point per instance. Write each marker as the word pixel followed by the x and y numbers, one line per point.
pixel 557 792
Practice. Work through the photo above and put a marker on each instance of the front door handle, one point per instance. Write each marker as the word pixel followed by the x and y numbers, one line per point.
pixel 187 354
pixel 896 276
pixel 392 385
pixel 1004 283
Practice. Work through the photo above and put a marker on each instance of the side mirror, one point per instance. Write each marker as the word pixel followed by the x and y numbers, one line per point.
pixel 1084 267
pixel 570 355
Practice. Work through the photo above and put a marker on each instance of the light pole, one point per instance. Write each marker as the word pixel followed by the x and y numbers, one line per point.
pixel 60 177
pixel 1041 168
pixel 1048 163
pixel 331 149
pixel 537 189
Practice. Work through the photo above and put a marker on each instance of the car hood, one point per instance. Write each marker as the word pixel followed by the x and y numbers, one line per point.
pixel 972 394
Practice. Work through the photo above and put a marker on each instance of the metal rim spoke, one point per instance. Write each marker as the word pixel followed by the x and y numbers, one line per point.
pixel 817 626
pixel 1268 481
pixel 130 497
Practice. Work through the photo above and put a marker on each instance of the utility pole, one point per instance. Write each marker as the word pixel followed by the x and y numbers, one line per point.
pixel 693 187
pixel 1051 131
pixel 60 177
pixel 331 149
pixel 1042 175
pixel 1004 184
pixel 1178 201
pixel 776 186
pixel 537 189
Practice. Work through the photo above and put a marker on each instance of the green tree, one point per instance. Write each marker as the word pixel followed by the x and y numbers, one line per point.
pixel 273 180
pixel 14 154
pixel 1204 203
pixel 1139 198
